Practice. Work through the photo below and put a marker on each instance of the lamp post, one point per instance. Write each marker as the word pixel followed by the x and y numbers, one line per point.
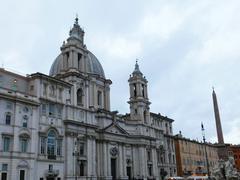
pixel 205 147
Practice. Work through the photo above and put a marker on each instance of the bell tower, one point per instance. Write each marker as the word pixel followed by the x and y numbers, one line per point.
pixel 139 103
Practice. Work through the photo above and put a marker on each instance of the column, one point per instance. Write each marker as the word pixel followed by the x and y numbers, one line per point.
pixel 154 162
pixel 124 161
pixel 135 159
pixel 94 164
pixel 86 95
pixel 120 161
pixel 105 160
pixel 89 159
pixel 143 162
pixel 107 97
pixel 108 160
pixel 94 96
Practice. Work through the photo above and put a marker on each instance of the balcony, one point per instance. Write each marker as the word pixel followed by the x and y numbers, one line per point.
pixel 52 173
pixel 50 156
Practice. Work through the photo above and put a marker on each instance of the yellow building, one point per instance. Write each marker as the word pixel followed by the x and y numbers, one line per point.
pixel 191 157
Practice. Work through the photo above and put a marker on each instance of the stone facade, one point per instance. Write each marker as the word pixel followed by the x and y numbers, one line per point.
pixel 234 151
pixel 191 157
pixel 60 126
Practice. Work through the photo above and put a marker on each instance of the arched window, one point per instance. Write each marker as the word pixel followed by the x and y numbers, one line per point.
pixel 135 90
pixel 145 116
pixel 143 93
pixel 99 98
pixel 51 145
pixel 66 60
pixel 80 97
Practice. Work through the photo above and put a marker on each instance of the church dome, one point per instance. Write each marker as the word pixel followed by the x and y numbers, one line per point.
pixel 93 66
pixel 75 56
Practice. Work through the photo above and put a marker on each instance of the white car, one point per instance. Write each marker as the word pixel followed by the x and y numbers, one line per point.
pixel 197 177
pixel 175 178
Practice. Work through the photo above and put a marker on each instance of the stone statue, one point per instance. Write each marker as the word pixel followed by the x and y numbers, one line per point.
pixel 225 170
pixel 231 172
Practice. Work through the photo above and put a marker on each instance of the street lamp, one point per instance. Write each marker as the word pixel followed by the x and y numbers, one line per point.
pixel 205 147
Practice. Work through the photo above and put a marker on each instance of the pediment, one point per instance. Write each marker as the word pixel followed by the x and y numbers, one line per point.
pixel 116 129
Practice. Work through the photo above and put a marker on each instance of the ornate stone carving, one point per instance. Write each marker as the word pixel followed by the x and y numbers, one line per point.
pixel 114 151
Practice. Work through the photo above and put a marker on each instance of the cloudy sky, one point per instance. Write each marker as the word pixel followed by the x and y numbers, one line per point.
pixel 184 48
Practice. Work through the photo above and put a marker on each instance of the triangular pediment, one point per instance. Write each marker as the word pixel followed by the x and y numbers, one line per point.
pixel 116 129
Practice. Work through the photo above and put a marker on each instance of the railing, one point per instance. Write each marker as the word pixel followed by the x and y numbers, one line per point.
pixel 51 156
pixel 52 172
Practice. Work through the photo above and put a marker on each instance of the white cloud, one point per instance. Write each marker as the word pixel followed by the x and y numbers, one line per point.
pixel 163 23
pixel 118 47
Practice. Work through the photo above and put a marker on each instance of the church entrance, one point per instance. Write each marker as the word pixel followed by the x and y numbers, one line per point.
pixel 113 169
pixel 129 173
pixel 50 178
pixel 22 175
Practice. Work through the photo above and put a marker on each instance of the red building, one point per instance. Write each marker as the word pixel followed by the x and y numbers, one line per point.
pixel 234 150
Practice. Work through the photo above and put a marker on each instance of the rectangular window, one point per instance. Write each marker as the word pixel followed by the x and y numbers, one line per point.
pixel 150 170
pixel 6 144
pixel 158 156
pixel 81 168
pixel 9 105
pixel 149 155
pixel 59 111
pixel 44 108
pixel 51 109
pixel 50 168
pixel 81 149
pixel 59 147
pixel 44 89
pixel 42 145
pixel 24 123
pixel 79 61
pixel 99 98
pixel 8 119
pixel 60 93
pixel 4 167
pixel 23 145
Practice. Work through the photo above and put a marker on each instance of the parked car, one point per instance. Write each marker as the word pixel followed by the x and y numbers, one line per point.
pixel 175 178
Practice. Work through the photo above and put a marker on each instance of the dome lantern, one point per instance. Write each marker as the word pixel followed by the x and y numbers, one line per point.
pixel 76 32
pixel 75 56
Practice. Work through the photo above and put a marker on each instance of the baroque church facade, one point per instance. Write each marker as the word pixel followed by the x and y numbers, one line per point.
pixel 60 126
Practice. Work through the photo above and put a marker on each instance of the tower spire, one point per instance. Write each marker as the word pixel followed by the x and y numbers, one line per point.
pixel 136 69
pixel 76 19
pixel 217 118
